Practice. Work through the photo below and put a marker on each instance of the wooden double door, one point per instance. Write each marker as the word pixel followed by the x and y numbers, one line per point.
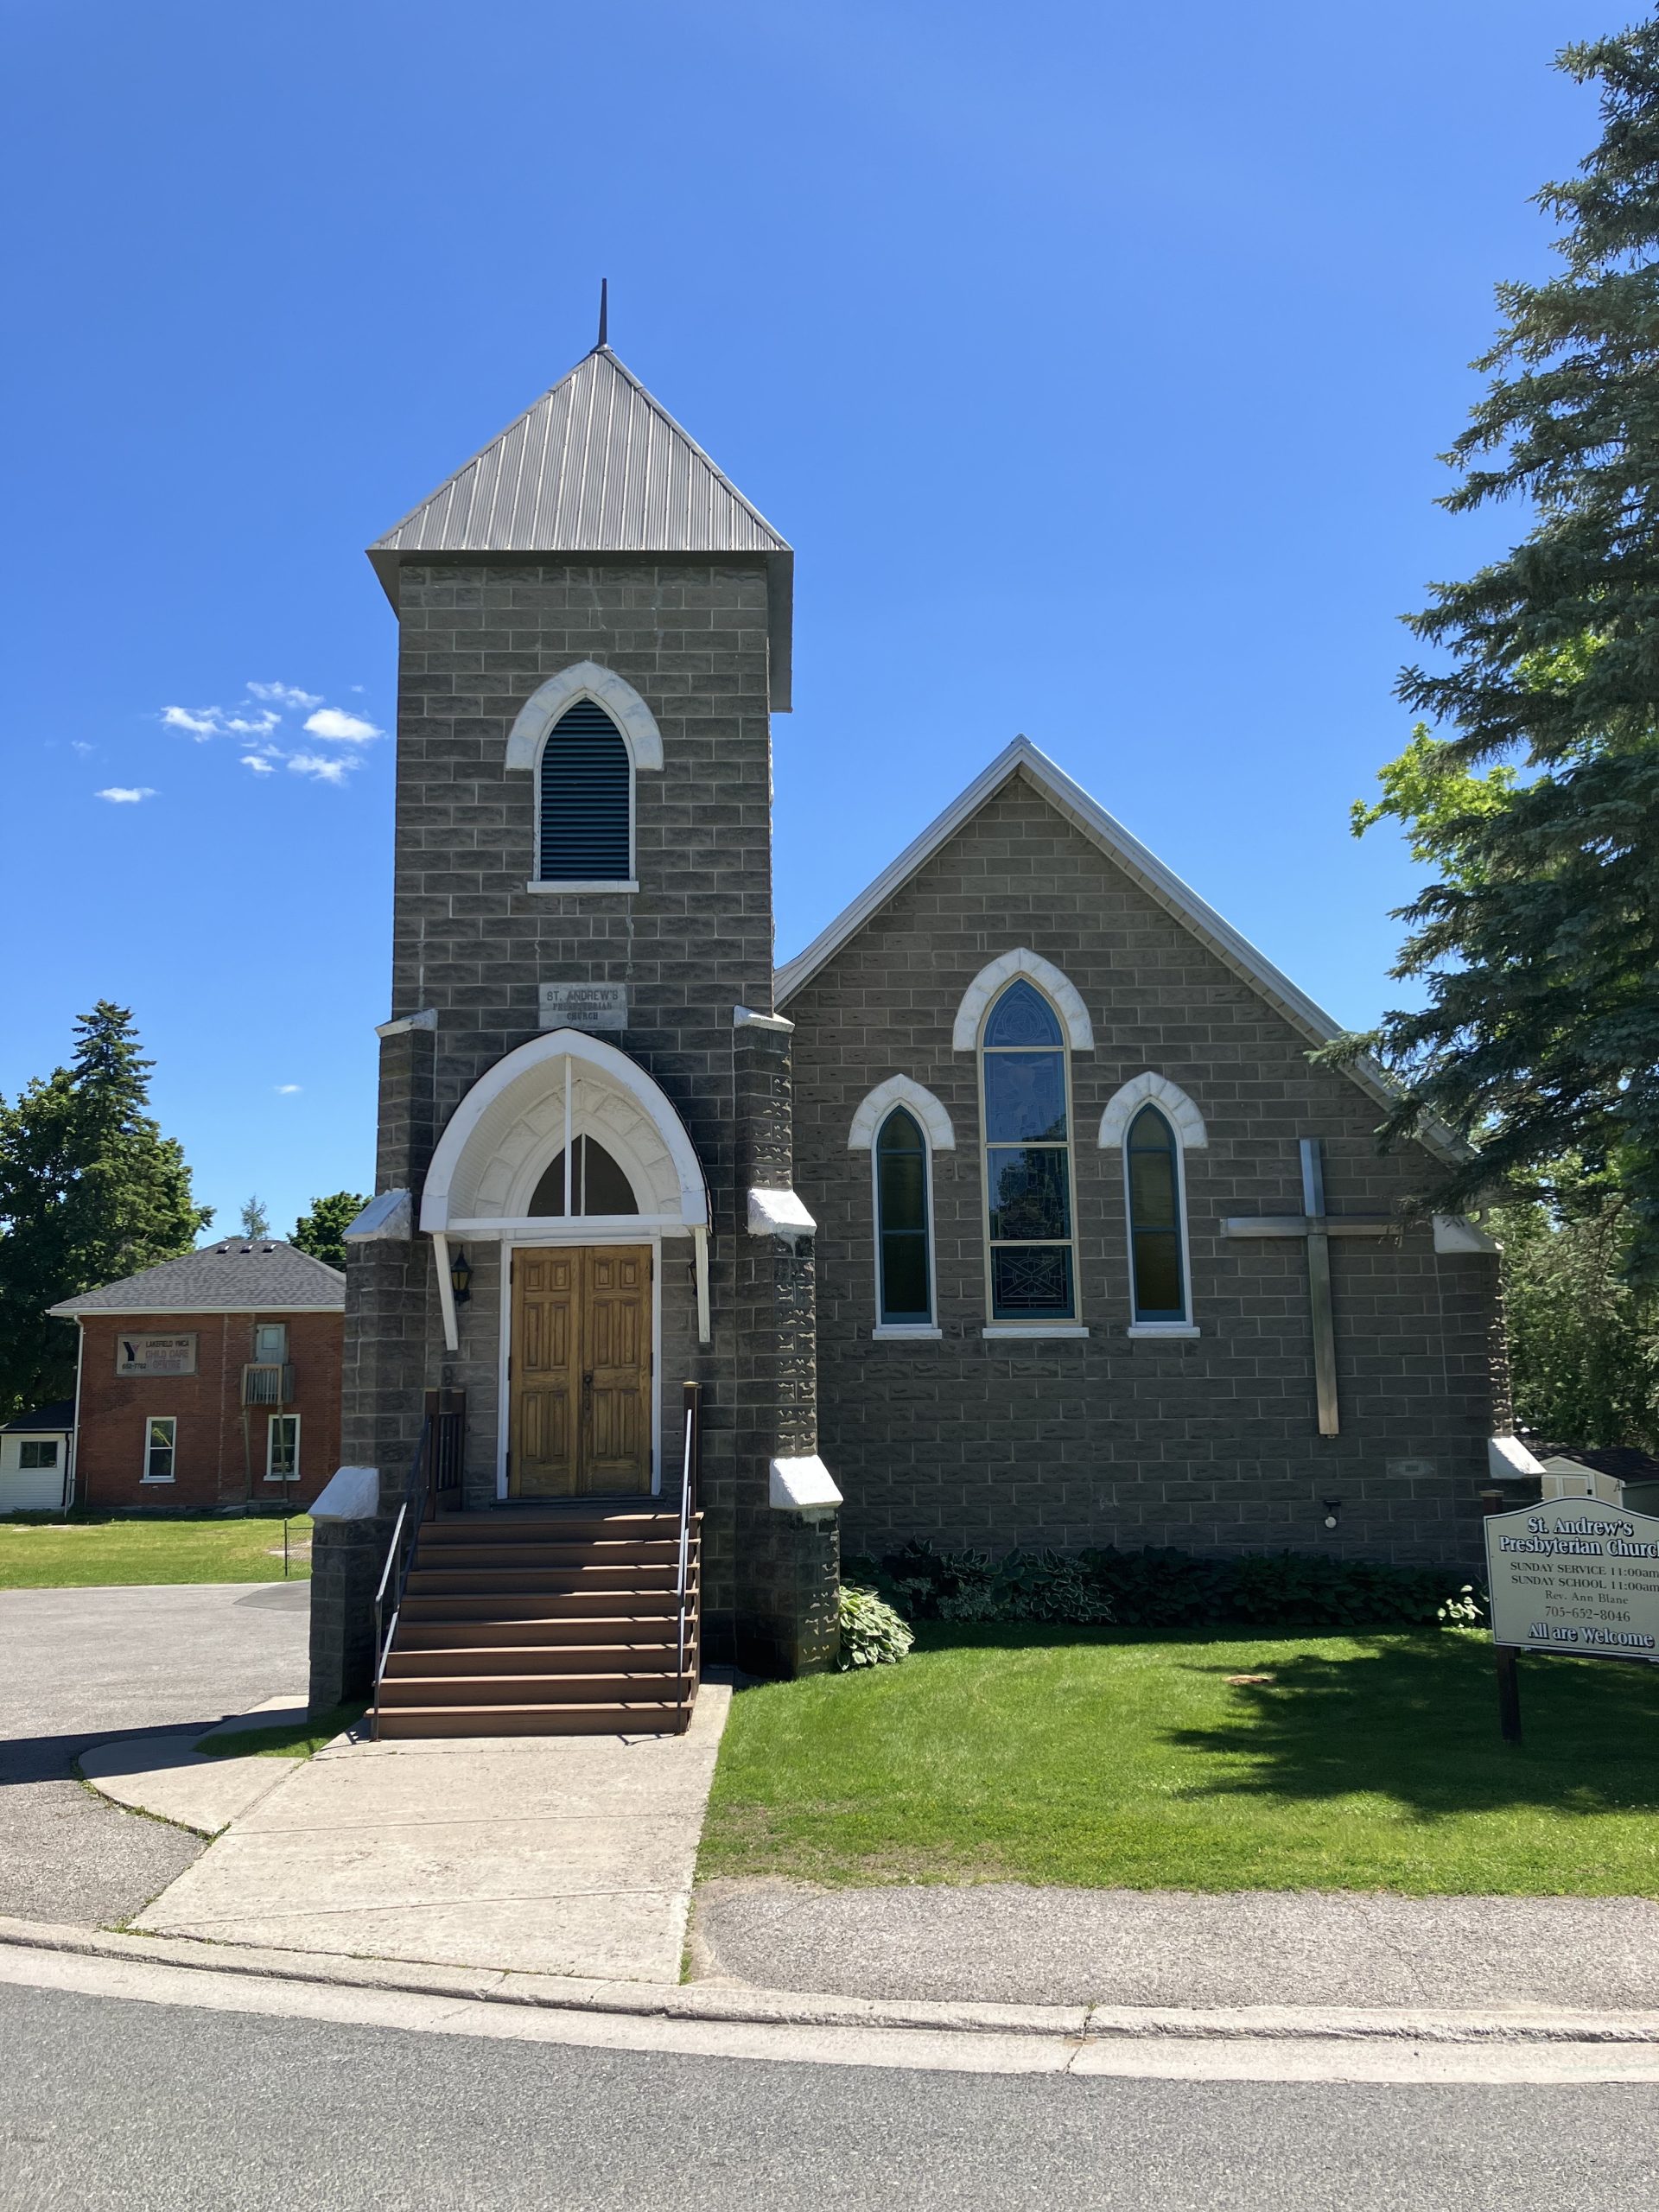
pixel 579 1375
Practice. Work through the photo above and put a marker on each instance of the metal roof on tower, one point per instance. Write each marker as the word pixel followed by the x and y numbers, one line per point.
pixel 595 466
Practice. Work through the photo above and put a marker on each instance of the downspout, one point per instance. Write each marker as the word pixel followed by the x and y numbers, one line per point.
pixel 72 1472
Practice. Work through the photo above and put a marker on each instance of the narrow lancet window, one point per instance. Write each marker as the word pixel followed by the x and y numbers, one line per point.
pixel 1027 1159
pixel 905 1275
pixel 1152 1160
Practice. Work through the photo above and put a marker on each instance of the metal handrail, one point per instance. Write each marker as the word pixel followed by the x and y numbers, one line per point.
pixel 688 1486
pixel 385 1630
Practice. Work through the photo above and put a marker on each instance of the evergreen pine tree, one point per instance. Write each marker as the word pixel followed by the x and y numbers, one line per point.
pixel 322 1231
pixel 90 1190
pixel 1539 947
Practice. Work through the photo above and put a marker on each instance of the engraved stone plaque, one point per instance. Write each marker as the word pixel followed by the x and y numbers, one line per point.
pixel 584 1006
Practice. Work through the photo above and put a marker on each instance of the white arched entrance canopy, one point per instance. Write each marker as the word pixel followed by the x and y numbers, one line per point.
pixel 526 1110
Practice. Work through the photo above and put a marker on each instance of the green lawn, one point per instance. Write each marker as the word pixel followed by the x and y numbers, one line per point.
pixel 71 1555
pixel 1109 1757
pixel 302 1740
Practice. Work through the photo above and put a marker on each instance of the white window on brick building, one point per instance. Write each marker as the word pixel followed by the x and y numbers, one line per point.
pixel 1026 1125
pixel 161 1448
pixel 283 1448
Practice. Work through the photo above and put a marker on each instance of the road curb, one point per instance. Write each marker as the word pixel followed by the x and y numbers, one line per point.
pixel 739 2004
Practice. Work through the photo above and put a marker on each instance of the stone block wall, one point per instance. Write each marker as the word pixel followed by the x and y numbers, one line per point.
pixel 1211 1444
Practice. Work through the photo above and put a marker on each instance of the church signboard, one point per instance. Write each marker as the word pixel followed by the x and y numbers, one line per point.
pixel 584 1006
pixel 1571 1574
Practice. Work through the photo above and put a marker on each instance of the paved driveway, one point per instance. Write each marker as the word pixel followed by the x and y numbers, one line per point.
pixel 79 1666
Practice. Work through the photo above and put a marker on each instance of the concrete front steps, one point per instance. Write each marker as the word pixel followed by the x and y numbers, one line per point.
pixel 563 1624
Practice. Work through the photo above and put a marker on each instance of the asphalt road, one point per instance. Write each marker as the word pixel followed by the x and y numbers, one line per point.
pixel 79 1666
pixel 108 2104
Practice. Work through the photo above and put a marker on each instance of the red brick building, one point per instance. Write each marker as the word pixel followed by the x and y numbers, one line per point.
pixel 211 1383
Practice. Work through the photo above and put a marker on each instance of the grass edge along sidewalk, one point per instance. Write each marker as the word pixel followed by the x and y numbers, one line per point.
pixel 87 1553
pixel 1229 1760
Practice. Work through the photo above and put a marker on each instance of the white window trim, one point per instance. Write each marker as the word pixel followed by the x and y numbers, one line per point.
pixel 1186 1325
pixel 994 978
pixel 1031 1331
pixel 915 1332
pixel 900 1090
pixel 898 1330
pixel 270 1447
pixel 634 723
pixel 607 883
pixel 1054 1326
pixel 172 1421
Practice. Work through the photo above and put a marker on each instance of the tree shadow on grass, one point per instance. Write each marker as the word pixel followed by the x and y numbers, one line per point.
pixel 1414 1717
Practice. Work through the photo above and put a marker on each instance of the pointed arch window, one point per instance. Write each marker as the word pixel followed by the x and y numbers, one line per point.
pixel 594 1184
pixel 585 801
pixel 1152 1169
pixel 904 1239
pixel 1025 1086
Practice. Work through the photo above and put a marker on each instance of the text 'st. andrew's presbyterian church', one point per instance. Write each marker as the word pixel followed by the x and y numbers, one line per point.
pixel 1011 1211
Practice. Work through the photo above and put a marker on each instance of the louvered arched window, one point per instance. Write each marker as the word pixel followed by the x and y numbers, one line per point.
pixel 585 801
pixel 1027 1159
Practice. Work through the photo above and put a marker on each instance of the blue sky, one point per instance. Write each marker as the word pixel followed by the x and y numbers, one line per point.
pixel 1095 358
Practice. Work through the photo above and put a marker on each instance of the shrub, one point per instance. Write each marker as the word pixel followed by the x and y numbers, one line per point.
pixel 872 1633
pixel 1161 1587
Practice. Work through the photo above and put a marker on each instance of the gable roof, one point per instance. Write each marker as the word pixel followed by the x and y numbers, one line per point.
pixel 1023 759
pixel 59 1417
pixel 239 1276
pixel 595 466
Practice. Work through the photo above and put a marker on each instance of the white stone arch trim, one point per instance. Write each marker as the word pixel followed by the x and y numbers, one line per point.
pixel 900 1090
pixel 495 1146
pixel 586 680
pixel 1172 1102
pixel 1055 985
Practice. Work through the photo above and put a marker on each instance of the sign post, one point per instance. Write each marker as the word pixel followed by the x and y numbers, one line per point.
pixel 1571 1575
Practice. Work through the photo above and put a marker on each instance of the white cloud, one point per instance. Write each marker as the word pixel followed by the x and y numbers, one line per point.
pixel 326 767
pixel 285 695
pixel 126 794
pixel 259 765
pixel 261 726
pixel 76 746
pixel 204 723
pixel 286 1089
pixel 349 729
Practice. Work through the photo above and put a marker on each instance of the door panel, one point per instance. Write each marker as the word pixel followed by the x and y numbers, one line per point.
pixel 543 1437
pixel 580 1381
pixel 616 1368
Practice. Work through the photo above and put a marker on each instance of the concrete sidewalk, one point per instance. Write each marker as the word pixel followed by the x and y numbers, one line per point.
pixel 561 1855
pixel 1005 1943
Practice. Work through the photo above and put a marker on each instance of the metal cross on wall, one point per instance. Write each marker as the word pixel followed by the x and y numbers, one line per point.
pixel 1317 1227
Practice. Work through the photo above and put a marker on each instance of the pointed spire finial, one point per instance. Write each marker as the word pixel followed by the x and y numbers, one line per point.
pixel 604 308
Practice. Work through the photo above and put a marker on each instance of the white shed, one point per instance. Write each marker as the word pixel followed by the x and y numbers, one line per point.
pixel 35 1459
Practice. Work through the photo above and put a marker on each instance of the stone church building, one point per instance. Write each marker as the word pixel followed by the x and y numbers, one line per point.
pixel 1011 1211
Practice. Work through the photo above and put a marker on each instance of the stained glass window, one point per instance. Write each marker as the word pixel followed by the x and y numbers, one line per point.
pixel 906 1291
pixel 1155 1188
pixel 1027 1159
